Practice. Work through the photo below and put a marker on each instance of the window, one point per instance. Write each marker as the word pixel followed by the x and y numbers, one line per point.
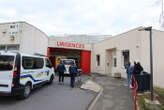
pixel 28 63
pixel 6 63
pixel 13 26
pixel 32 63
pixel 114 62
pixel 68 62
pixel 125 57
pixel 2 47
pixel 48 63
pixel 9 47
pixel 39 63
pixel 12 47
pixel 98 60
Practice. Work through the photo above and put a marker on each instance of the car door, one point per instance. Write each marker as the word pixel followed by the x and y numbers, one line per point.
pixel 32 70
pixel 48 69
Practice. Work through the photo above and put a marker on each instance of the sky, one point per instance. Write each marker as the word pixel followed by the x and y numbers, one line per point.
pixel 109 17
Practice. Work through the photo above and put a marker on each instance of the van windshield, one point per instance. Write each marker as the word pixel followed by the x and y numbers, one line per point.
pixel 68 62
pixel 6 63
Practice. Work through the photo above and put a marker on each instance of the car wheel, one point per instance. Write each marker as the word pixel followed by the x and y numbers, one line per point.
pixel 27 91
pixel 51 79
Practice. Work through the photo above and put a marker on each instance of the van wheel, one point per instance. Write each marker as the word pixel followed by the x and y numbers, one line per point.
pixel 51 79
pixel 27 91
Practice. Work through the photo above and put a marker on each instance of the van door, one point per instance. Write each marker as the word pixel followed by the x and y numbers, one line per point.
pixel 32 68
pixel 48 69
pixel 7 63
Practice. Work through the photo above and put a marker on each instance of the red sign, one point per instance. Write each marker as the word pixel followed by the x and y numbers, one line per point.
pixel 67 44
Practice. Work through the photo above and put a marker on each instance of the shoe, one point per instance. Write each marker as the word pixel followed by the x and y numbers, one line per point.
pixel 131 87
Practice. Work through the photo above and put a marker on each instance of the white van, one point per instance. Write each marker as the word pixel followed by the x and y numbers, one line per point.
pixel 67 63
pixel 20 73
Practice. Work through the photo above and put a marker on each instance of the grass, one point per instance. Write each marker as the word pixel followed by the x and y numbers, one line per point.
pixel 160 92
pixel 141 101
pixel 158 95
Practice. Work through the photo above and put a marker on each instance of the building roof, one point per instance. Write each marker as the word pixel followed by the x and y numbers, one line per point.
pixel 25 23
pixel 82 38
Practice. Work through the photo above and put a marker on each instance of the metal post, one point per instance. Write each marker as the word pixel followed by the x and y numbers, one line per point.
pixel 151 65
pixel 151 59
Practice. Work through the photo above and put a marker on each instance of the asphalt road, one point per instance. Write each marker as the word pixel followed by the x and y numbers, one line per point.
pixel 51 97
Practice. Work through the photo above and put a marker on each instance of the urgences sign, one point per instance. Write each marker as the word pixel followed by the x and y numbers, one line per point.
pixel 72 45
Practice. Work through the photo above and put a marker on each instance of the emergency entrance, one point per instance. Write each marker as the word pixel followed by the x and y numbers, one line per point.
pixel 81 57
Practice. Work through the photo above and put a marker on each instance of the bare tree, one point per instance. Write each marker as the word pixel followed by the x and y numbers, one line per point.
pixel 161 18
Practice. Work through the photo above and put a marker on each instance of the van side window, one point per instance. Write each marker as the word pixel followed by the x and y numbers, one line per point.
pixel 32 63
pixel 6 63
pixel 28 62
pixel 48 63
pixel 39 63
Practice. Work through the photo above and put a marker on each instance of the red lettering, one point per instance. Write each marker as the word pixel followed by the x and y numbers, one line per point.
pixel 67 44
pixel 83 46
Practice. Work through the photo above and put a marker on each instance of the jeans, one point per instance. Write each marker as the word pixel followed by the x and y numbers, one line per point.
pixel 72 81
pixel 129 79
pixel 61 77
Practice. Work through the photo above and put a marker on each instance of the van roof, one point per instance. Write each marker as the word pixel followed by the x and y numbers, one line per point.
pixel 22 54
pixel 7 53
pixel 67 59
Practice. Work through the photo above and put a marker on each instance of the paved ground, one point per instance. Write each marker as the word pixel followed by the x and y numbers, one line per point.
pixel 53 97
pixel 115 95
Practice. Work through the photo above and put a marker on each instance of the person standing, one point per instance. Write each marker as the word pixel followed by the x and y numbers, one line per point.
pixel 60 69
pixel 128 74
pixel 138 68
pixel 131 70
pixel 73 72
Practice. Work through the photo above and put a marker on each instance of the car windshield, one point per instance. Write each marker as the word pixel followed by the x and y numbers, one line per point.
pixel 6 63
pixel 68 62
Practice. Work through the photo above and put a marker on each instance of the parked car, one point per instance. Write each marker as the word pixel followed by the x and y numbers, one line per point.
pixel 20 73
pixel 67 63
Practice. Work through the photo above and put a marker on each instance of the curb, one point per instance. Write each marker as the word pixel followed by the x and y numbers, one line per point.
pixel 92 104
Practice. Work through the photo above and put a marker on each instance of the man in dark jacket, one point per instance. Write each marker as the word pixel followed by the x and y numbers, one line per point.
pixel 73 72
pixel 137 68
pixel 60 69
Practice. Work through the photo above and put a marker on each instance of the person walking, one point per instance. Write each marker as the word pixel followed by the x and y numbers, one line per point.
pixel 60 69
pixel 73 72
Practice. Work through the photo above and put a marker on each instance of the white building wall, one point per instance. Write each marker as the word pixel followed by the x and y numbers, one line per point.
pixel 158 55
pixel 30 39
pixel 130 40
pixel 33 40
pixel 5 36
pixel 138 43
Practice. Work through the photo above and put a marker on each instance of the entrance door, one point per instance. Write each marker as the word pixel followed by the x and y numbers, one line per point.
pixel 85 61
pixel 114 64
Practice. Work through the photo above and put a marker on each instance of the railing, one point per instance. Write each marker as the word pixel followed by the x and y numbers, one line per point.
pixel 135 85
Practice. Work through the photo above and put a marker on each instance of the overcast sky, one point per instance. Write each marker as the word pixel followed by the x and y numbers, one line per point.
pixel 82 16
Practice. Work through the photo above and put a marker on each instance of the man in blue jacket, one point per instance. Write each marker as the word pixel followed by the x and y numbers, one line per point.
pixel 60 69
pixel 129 71
pixel 73 72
